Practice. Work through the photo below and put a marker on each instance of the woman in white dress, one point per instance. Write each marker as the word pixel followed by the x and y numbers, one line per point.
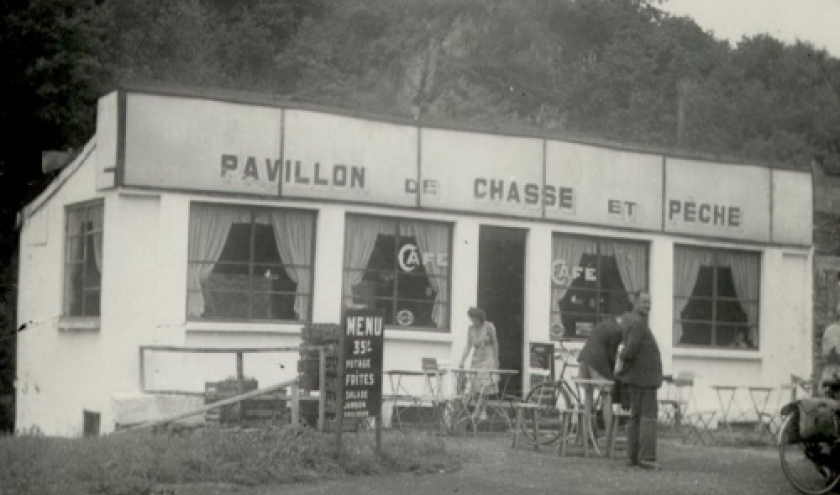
pixel 482 342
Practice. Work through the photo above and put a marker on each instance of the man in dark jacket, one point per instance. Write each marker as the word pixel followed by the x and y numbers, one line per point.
pixel 640 373
pixel 597 361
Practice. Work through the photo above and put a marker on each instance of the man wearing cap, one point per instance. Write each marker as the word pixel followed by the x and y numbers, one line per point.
pixel 640 373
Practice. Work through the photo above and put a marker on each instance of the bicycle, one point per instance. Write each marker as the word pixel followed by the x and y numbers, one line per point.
pixel 812 466
pixel 553 395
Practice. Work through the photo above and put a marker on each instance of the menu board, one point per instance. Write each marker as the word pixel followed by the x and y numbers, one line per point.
pixel 362 342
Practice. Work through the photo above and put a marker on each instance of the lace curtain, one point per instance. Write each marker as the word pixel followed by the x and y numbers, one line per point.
pixel 293 235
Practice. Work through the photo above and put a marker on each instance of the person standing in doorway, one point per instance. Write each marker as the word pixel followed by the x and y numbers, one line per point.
pixel 482 342
pixel 640 373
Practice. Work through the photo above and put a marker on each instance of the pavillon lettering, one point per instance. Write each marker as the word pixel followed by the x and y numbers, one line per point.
pixel 248 168
pixel 230 166
pixel 338 175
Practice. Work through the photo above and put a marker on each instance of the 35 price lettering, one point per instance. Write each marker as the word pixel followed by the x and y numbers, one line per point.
pixel 361 347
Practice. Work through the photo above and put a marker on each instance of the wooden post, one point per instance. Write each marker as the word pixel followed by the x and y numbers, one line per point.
pixel 142 369
pixel 295 404
pixel 240 367
pixel 322 388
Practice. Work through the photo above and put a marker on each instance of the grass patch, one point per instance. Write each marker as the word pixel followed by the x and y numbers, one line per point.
pixel 134 463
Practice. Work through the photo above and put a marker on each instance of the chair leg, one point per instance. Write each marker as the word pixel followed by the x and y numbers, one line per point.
pixel 517 427
pixel 565 426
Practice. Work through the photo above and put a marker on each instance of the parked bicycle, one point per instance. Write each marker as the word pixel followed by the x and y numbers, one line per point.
pixel 811 463
pixel 555 394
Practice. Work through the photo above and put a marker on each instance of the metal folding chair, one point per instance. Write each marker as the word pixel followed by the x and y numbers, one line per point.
pixel 697 422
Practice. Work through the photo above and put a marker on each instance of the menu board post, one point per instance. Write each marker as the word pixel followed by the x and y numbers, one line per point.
pixel 360 371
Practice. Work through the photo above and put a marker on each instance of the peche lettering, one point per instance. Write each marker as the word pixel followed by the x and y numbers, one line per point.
pixel 704 213
pixel 562 198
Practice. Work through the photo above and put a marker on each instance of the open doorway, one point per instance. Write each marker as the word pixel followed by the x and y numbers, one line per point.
pixel 501 291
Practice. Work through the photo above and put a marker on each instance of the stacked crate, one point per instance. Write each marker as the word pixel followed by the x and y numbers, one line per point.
pixel 216 391
pixel 318 335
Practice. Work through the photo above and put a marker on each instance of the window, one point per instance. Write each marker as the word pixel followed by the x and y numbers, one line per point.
pixel 83 261
pixel 399 267
pixel 591 278
pixel 249 263
pixel 716 295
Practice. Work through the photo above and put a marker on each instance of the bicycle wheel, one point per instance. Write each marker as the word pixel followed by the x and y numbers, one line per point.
pixel 805 464
pixel 456 417
pixel 551 397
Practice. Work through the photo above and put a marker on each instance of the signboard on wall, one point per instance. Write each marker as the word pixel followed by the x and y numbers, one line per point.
pixel 361 345
pixel 609 187
pixel 486 173
pixel 348 159
pixel 717 200
pixel 193 144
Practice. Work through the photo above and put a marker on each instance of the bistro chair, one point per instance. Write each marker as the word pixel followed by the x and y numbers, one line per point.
pixel 697 422
pixel 673 405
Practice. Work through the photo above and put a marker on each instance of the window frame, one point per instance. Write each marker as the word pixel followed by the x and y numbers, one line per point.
pixel 598 240
pixel 253 211
pixel 70 209
pixel 395 271
pixel 714 299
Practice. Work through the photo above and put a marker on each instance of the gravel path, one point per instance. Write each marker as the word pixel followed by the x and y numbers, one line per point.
pixel 492 467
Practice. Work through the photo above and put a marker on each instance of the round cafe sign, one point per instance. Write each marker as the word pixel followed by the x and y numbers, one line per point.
pixel 405 318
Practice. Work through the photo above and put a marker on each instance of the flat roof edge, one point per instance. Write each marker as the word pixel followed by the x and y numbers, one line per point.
pixel 288 101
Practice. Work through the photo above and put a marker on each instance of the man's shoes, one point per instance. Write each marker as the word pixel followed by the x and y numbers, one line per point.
pixel 632 463
pixel 649 465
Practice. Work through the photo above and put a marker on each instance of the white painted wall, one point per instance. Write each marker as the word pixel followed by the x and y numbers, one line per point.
pixel 58 371
pixel 144 303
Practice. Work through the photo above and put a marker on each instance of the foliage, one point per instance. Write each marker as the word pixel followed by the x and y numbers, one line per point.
pixel 137 462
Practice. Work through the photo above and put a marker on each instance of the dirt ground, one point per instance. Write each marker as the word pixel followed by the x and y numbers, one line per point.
pixel 492 467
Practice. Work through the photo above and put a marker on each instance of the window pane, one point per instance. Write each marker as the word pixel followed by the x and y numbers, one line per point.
pixel 698 308
pixel 696 333
pixel 577 325
pixel 91 303
pixel 73 289
pixel 730 311
pixel 226 296
pixel 237 246
pixel 735 336
pixel 265 245
pixel 75 248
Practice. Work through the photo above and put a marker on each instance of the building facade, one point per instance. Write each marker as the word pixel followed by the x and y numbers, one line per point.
pixel 225 220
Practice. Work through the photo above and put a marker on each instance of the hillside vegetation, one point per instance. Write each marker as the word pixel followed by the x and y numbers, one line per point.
pixel 619 70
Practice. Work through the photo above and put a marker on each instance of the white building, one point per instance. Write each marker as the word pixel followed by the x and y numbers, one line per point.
pixel 229 221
